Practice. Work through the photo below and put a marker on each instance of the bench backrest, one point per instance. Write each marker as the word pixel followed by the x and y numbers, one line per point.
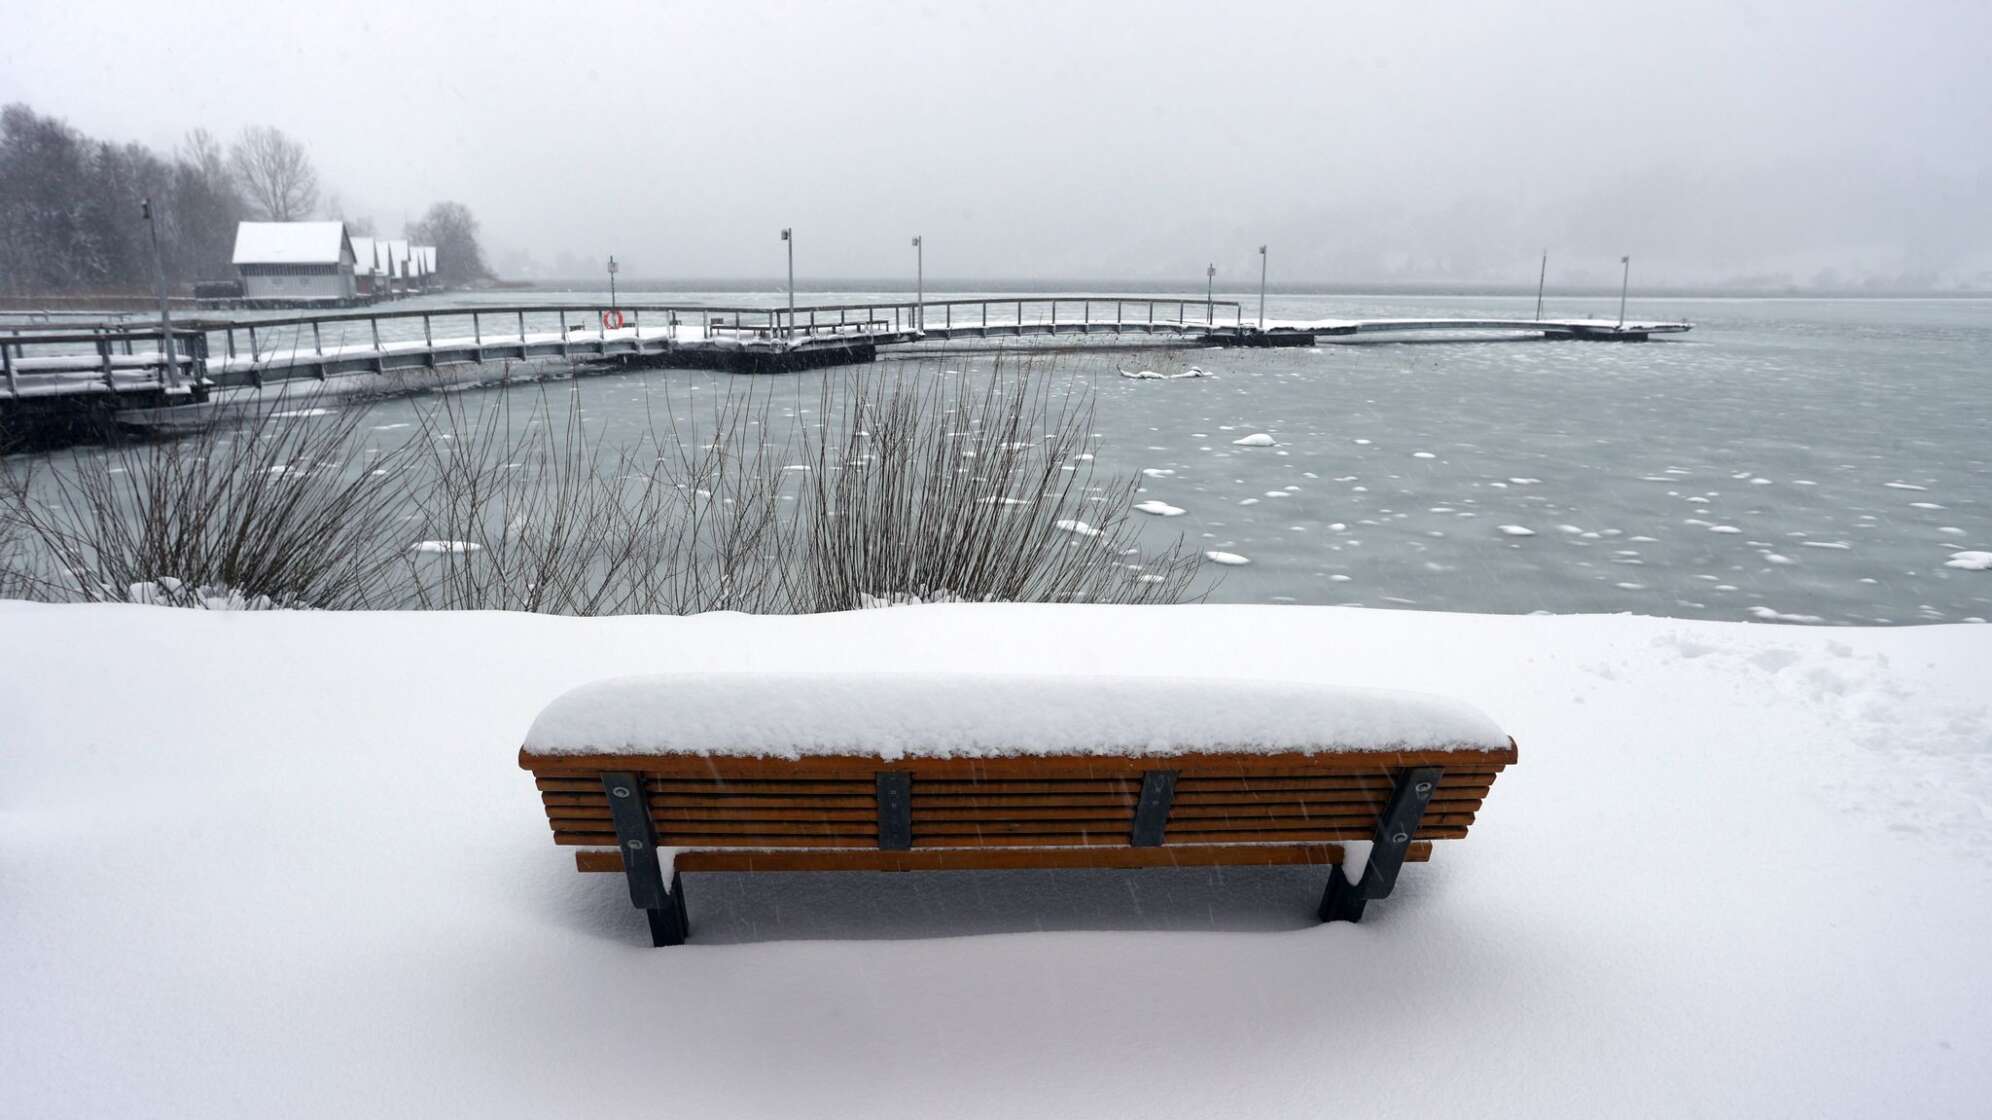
pixel 1025 801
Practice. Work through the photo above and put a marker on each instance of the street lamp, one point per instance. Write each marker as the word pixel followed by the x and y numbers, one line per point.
pixel 165 311
pixel 1540 277
pixel 920 283
pixel 1262 287
pixel 1210 294
pixel 613 269
pixel 788 238
pixel 1623 278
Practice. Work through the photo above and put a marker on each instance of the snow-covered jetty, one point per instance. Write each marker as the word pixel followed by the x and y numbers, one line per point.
pixel 62 364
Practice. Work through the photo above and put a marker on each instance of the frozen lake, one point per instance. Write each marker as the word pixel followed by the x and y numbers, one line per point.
pixel 1789 460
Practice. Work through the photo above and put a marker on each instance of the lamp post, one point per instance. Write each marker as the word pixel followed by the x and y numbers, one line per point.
pixel 165 310
pixel 788 238
pixel 613 269
pixel 1624 277
pixel 1210 294
pixel 920 283
pixel 1262 287
pixel 1540 277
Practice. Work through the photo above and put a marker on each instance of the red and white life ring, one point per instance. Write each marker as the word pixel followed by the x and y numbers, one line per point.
pixel 612 320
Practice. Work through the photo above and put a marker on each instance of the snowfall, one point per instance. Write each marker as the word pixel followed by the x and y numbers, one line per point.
pixel 285 864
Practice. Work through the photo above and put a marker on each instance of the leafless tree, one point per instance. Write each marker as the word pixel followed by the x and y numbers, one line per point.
pixel 276 173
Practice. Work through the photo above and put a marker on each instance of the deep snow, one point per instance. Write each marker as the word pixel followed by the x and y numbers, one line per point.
pixel 266 864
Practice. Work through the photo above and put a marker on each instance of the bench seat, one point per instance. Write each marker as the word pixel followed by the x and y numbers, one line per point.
pixel 1122 792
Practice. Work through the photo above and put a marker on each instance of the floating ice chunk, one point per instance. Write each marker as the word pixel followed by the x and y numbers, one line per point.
pixel 1157 472
pixel 1159 508
pixel 1228 558
pixel 1970 561
pixel 445 546
pixel 1769 614
pixel 1924 505
pixel 300 413
pixel 1904 486
pixel 1141 375
pixel 1076 528
pixel 1256 439
pixel 1841 545
pixel 1516 530
pixel 795 467
pixel 1423 455
pixel 1193 371
pixel 1525 481
pixel 1723 529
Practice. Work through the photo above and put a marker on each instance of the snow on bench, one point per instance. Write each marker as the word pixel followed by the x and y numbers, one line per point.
pixel 653 776
pixel 953 715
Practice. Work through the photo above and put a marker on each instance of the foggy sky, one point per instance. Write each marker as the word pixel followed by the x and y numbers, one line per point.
pixel 1379 142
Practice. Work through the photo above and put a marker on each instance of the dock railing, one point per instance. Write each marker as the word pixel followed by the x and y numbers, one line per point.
pixel 126 353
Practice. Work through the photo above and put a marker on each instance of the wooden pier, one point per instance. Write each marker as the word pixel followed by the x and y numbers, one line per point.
pixel 54 366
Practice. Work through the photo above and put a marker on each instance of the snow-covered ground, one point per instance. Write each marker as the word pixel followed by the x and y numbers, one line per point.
pixel 268 864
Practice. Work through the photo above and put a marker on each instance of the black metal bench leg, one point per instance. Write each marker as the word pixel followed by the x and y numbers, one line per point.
pixel 636 838
pixel 1344 901
pixel 669 924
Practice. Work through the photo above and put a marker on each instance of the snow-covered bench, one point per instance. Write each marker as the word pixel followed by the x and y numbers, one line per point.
pixel 653 776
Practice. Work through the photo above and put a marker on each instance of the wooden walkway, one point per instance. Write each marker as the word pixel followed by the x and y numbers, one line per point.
pixel 52 364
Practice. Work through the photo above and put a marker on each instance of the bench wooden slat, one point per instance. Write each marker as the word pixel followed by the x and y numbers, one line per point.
pixel 999 859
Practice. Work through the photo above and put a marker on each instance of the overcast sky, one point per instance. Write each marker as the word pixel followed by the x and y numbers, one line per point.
pixel 1415 141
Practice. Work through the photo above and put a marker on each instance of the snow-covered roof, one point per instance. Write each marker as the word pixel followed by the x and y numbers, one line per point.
pixel 394 257
pixel 363 255
pixel 974 715
pixel 289 242
pixel 425 256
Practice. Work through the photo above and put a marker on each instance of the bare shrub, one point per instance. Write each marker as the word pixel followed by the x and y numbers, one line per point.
pixel 911 486
pixel 531 513
pixel 285 507
pixel 951 486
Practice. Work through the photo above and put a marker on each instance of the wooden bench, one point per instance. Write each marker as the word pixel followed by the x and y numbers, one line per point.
pixel 674 786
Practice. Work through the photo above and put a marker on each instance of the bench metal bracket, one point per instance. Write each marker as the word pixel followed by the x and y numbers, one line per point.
pixel 895 810
pixel 1151 813
pixel 1395 829
pixel 636 838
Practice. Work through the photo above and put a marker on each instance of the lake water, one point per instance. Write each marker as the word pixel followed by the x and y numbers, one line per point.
pixel 1788 460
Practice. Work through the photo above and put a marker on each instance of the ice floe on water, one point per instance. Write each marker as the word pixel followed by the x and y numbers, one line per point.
pixel 1904 486
pixel 1516 530
pixel 1228 558
pixel 1971 560
pixel 1159 508
pixel 1769 614
pixel 1256 439
pixel 1076 528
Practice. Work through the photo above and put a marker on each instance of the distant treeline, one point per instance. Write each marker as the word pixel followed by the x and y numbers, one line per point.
pixel 71 219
